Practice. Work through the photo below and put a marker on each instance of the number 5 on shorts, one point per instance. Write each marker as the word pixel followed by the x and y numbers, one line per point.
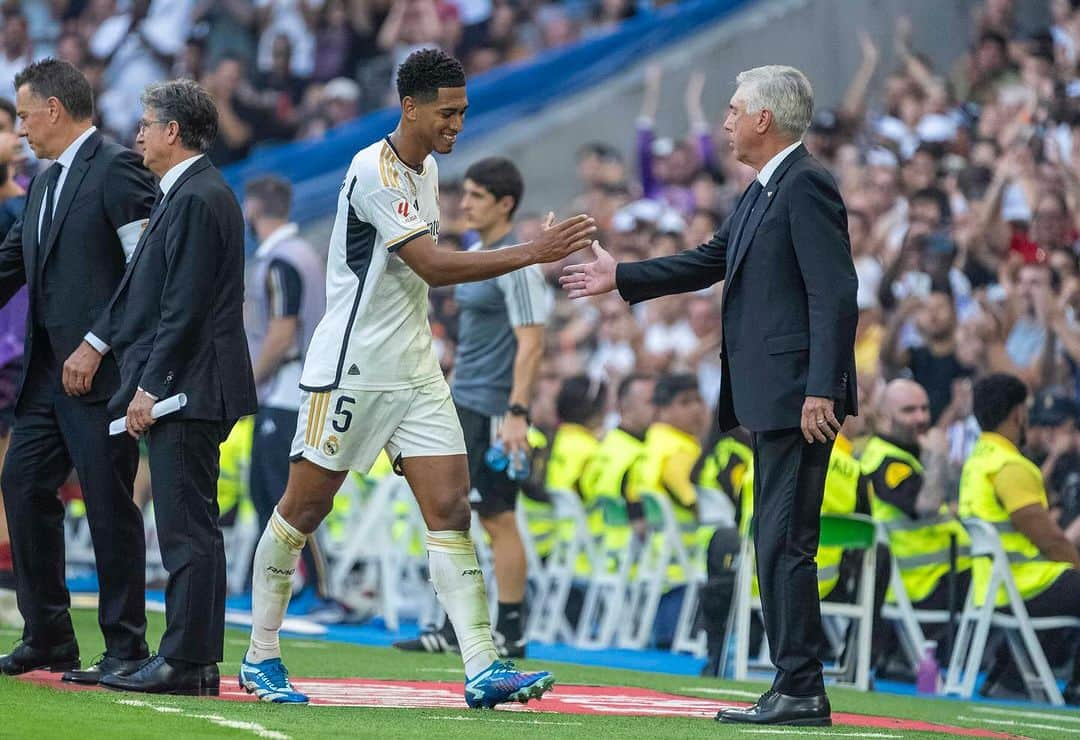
pixel 344 413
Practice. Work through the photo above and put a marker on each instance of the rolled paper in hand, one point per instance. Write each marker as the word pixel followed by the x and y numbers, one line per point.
pixel 162 408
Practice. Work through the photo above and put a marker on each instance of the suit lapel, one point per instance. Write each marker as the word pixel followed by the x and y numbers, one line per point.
pixel 30 224
pixel 156 216
pixel 768 195
pixel 75 176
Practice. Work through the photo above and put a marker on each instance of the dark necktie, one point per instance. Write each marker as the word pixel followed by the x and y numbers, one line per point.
pixel 52 176
pixel 737 235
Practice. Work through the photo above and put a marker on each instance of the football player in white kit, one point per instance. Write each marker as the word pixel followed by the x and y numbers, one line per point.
pixel 371 381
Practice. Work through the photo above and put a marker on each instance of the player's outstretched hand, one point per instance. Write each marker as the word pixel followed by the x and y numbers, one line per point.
pixel 590 278
pixel 566 237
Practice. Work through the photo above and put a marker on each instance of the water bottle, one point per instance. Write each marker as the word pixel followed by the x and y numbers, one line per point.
pixel 519 466
pixel 496 458
pixel 929 671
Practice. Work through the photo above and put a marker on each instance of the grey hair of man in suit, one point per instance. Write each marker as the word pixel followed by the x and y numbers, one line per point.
pixel 783 90
pixel 190 106
pixel 769 111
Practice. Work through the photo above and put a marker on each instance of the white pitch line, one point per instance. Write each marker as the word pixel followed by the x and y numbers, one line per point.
pixel 1013 723
pixel 439 670
pixel 509 721
pixel 147 705
pixel 233 724
pixel 253 727
pixel 722 692
pixel 1028 715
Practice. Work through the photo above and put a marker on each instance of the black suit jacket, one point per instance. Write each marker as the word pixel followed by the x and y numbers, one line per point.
pixel 73 273
pixel 176 322
pixel 789 310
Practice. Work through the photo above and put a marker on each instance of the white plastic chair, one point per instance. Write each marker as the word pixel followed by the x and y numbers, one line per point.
pixel 850 531
pixel 1020 628
pixel 551 624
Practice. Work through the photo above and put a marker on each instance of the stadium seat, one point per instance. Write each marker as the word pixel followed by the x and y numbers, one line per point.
pixel 851 532
pixel 663 549
pixel 901 612
pixel 605 604
pixel 1019 628
pixel 551 624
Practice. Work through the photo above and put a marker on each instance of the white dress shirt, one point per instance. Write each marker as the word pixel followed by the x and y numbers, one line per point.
pixel 169 178
pixel 767 171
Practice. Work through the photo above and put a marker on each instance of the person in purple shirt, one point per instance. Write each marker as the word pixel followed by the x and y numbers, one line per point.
pixel 12 331
pixel 667 167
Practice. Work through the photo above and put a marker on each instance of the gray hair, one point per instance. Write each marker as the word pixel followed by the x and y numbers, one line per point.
pixel 190 105
pixel 784 91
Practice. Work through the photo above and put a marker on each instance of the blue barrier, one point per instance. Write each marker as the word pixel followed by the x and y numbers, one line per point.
pixel 496 99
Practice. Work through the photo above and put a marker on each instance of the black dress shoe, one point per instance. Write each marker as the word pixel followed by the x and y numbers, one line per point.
pixel 774 708
pixel 102 667
pixel 24 658
pixel 156 675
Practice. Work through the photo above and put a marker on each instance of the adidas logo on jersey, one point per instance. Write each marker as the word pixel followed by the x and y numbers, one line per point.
pixel 353 369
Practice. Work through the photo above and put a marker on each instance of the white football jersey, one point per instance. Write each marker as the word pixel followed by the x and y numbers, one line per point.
pixel 375 334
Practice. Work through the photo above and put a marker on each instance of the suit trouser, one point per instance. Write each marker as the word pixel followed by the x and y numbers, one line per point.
pixel 185 457
pixel 270 450
pixel 789 485
pixel 52 433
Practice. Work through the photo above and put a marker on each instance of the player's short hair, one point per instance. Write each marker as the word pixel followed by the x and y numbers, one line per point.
pixel 994 398
pixel 668 387
pixel 500 177
pixel 273 192
pixel 54 78
pixel 422 74
pixel 628 382
pixel 580 398
pixel 190 105
pixel 784 91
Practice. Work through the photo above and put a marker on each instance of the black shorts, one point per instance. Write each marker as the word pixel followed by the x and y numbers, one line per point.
pixel 497 493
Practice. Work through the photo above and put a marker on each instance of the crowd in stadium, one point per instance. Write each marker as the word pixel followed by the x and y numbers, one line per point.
pixel 961 184
pixel 279 69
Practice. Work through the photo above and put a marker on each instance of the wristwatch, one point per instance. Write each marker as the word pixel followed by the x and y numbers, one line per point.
pixel 517 409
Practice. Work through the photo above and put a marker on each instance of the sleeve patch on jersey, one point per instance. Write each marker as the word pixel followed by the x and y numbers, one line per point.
pixel 896 473
pixel 408 212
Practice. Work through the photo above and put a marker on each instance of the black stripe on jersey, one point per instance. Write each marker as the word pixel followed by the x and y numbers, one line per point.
pixel 359 247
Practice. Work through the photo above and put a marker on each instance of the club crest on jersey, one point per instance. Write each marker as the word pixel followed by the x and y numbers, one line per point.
pixel 331 446
pixel 409 212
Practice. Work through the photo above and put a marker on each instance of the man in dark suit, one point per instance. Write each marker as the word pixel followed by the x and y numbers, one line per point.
pixel 83 216
pixel 176 323
pixel 789 319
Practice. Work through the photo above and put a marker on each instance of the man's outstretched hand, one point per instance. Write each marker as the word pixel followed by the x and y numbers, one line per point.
pixel 557 240
pixel 590 278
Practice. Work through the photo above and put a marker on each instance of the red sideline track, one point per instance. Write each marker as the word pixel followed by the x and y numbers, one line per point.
pixel 569 699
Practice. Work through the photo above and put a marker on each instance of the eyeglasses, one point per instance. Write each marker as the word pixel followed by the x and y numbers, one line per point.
pixel 144 124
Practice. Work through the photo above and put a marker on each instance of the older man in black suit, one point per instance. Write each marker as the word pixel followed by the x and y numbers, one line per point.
pixel 789 318
pixel 83 216
pixel 176 323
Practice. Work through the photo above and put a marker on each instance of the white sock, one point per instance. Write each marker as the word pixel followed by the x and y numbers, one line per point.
pixel 271 585
pixel 459 584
